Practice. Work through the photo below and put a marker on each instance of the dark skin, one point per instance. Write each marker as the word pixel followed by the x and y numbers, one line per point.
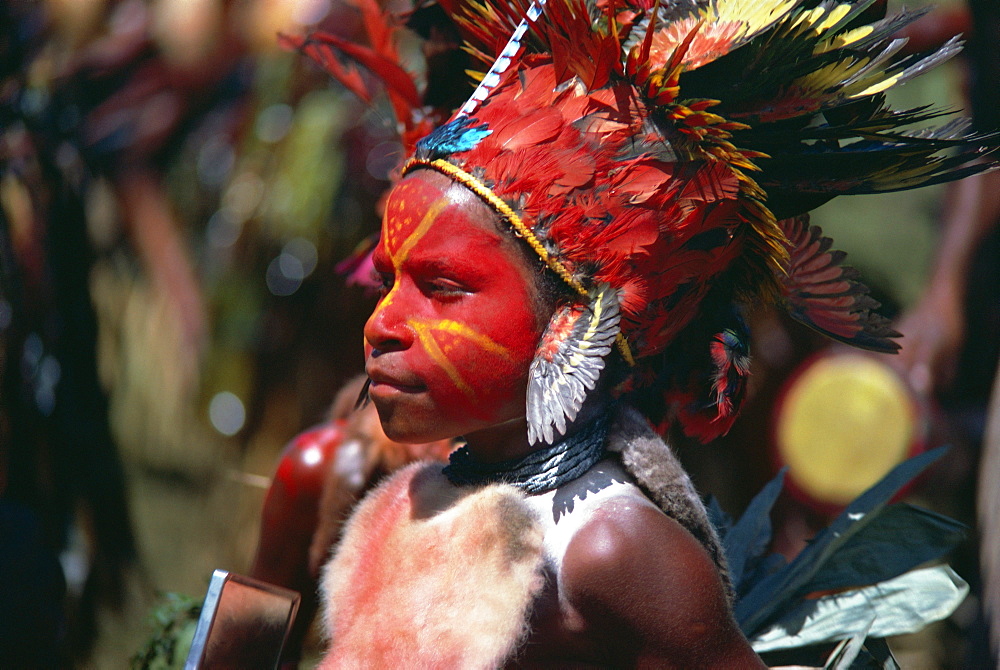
pixel 635 589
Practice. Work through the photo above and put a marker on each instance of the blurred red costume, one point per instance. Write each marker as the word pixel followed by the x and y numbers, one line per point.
pixel 321 474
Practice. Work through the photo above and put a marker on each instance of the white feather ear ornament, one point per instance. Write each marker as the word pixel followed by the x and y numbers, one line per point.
pixel 569 362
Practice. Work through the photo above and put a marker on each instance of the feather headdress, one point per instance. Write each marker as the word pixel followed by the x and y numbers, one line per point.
pixel 660 156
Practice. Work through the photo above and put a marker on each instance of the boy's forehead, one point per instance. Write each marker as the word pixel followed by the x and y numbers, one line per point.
pixel 409 203
pixel 425 201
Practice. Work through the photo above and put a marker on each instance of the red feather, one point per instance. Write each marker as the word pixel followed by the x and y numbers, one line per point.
pixel 577 48
pixel 377 26
pixel 824 295
pixel 398 81
pixel 347 75
pixel 715 181
pixel 538 127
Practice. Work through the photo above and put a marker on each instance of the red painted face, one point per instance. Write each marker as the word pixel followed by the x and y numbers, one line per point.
pixel 450 343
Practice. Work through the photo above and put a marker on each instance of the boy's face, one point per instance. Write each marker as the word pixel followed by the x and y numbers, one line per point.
pixel 450 343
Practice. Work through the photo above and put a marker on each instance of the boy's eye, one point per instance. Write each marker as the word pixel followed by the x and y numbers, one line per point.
pixel 385 281
pixel 446 288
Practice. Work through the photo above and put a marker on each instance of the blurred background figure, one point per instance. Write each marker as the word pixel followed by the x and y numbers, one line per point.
pixel 67 538
pixel 321 474
pixel 173 202
pixel 951 343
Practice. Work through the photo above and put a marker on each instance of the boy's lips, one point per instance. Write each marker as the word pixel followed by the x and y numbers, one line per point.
pixel 386 379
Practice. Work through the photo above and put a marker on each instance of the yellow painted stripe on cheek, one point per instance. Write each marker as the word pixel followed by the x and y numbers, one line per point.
pixel 463 330
pixel 425 335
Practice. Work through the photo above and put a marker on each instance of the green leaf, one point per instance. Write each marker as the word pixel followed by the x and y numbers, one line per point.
pixel 173 620
pixel 898 539
pixel 902 605
pixel 749 537
pixel 774 593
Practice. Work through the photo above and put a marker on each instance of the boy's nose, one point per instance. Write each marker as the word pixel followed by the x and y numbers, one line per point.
pixel 387 328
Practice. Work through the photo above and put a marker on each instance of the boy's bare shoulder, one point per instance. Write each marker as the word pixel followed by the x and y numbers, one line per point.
pixel 633 570
pixel 628 539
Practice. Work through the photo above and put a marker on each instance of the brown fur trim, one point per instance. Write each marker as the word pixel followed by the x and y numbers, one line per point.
pixel 660 475
pixel 432 575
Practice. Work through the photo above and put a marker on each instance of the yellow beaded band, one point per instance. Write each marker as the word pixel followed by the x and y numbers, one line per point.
pixel 498 205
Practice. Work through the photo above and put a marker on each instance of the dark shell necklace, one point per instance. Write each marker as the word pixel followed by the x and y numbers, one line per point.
pixel 541 470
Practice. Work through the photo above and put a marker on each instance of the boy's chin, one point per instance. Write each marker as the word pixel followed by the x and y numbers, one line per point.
pixel 399 427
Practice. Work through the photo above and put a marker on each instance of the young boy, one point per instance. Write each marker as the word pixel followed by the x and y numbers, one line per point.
pixel 570 246
pixel 590 566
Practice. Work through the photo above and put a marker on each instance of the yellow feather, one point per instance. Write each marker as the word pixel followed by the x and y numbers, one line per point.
pixel 830 76
pixel 839 12
pixel 808 18
pixel 755 15
pixel 877 87
pixel 843 39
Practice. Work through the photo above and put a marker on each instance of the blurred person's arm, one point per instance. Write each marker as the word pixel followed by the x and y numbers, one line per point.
pixel 933 330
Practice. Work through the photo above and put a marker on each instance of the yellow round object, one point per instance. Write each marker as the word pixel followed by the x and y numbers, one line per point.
pixel 844 422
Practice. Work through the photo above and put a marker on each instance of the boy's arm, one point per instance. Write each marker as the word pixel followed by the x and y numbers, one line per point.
pixel 650 587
